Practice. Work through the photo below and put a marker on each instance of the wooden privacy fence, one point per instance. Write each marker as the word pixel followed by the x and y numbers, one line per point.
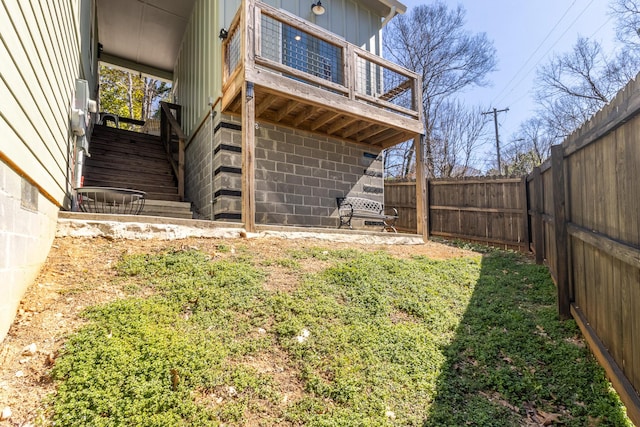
pixel 487 210
pixel 585 215
pixel 583 221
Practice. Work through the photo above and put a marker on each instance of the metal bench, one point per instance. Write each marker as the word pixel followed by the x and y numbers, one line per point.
pixel 358 207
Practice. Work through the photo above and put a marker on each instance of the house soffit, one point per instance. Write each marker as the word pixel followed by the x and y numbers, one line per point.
pixel 145 32
pixel 384 7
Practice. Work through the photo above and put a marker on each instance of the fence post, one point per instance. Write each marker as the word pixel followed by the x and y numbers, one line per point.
pixel 421 192
pixel 524 196
pixel 561 238
pixel 537 222
pixel 427 208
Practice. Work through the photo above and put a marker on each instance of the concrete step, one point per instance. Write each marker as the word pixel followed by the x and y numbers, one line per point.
pixel 169 209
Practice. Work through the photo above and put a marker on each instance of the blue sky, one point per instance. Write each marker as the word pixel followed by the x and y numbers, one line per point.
pixel 526 33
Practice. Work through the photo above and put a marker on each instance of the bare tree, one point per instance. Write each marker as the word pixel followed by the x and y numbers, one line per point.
pixel 530 146
pixel 397 162
pixel 573 86
pixel 627 62
pixel 456 135
pixel 627 14
pixel 432 41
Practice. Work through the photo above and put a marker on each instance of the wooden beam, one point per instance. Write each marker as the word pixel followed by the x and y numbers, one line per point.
pixel 320 98
pixel 232 88
pixel 267 101
pixel 323 119
pixel 354 128
pixel 628 254
pixel 422 209
pixel 350 70
pixel 181 159
pixel 386 104
pixel 373 130
pixel 483 239
pixel 284 111
pixel 306 77
pixel 340 124
pixel 449 181
pixel 18 170
pixel 561 239
pixel 381 138
pixel 401 137
pixel 302 116
pixel 248 161
pixel 517 211
pixel 236 105
pixel 392 93
pixel 248 101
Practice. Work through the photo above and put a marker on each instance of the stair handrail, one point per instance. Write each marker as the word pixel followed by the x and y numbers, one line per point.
pixel 170 125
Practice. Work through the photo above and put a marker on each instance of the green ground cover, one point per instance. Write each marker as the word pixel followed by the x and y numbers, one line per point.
pixel 363 339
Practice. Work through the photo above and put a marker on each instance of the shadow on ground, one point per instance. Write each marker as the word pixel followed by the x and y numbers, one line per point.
pixel 512 362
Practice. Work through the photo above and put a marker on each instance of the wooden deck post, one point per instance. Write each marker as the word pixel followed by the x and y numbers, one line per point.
pixel 561 236
pixel 536 221
pixel 422 223
pixel 248 158
pixel 248 122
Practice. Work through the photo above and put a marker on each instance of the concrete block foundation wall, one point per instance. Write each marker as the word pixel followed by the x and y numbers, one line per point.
pixel 27 228
pixel 198 184
pixel 298 174
pixel 227 171
pixel 213 169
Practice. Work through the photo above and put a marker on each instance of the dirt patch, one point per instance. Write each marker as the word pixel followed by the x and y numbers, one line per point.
pixel 79 273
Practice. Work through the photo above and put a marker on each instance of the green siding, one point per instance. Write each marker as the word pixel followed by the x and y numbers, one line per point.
pixel 41 57
pixel 198 71
pixel 198 68
pixel 346 18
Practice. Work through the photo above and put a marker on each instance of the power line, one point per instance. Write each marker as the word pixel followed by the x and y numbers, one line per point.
pixel 550 47
pixel 495 122
pixel 536 50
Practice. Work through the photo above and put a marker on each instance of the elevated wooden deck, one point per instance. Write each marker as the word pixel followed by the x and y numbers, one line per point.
pixel 281 69
pixel 302 76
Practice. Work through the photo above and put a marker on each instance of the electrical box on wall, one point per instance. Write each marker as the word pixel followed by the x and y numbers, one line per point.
pixel 82 106
pixel 80 121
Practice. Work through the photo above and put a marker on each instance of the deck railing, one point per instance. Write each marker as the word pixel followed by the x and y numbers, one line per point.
pixel 287 45
pixel 173 140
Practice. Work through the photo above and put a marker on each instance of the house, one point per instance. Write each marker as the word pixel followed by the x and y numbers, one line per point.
pixel 285 105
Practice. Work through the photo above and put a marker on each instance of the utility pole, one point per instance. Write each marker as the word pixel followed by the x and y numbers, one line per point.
pixel 495 121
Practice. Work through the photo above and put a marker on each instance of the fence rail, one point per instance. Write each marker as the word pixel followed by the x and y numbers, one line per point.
pixel 482 210
pixel 578 212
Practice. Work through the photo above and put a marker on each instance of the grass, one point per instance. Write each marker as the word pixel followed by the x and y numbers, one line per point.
pixel 366 340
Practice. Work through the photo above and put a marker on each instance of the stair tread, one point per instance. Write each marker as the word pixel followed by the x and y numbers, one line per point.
pixel 126 159
pixel 155 202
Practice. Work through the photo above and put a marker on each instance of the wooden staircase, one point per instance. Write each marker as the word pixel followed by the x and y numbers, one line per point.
pixel 125 159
